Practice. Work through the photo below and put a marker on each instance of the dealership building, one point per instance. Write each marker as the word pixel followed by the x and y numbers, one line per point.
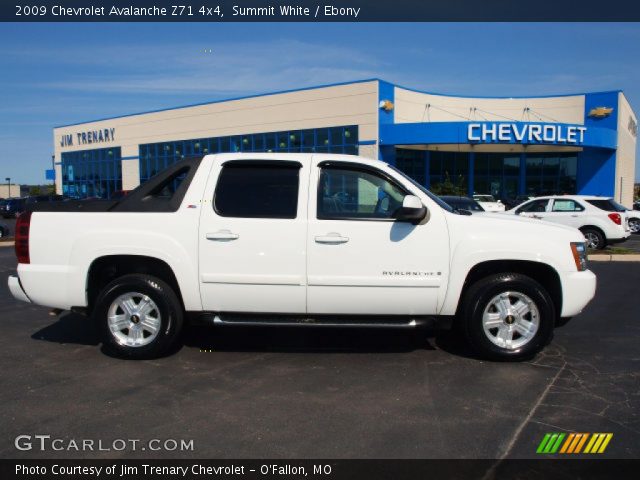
pixel 581 143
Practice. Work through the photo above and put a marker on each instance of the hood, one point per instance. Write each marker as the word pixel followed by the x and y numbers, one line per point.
pixel 528 226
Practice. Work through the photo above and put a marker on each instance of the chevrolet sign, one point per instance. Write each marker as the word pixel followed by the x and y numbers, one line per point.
pixel 525 133
pixel 600 112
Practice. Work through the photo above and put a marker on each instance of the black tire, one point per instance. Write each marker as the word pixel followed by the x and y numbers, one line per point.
pixel 478 297
pixel 169 309
pixel 634 225
pixel 597 236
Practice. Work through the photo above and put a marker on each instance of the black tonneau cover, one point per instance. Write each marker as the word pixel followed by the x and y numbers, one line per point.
pixel 148 197
pixel 72 206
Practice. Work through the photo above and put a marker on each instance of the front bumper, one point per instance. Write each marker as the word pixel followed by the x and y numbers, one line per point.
pixel 578 289
pixel 16 289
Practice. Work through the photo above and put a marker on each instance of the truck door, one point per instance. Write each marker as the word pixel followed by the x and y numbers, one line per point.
pixel 252 237
pixel 360 259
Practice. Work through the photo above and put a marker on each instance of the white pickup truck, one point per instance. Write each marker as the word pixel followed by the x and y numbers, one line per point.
pixel 304 239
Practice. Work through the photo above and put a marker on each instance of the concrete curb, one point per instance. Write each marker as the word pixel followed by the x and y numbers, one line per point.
pixel 612 257
pixel 7 244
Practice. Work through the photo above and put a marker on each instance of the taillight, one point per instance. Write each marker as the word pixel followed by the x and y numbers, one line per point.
pixel 616 218
pixel 23 224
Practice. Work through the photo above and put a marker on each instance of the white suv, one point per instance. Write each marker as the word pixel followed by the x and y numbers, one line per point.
pixel 489 203
pixel 600 227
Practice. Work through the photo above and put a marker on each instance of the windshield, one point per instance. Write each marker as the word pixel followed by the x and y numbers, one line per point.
pixel 433 197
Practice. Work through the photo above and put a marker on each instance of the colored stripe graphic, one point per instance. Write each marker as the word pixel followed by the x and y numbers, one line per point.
pixel 543 443
pixel 581 443
pixel 574 443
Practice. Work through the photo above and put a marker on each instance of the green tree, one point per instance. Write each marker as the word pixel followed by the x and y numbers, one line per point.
pixel 447 187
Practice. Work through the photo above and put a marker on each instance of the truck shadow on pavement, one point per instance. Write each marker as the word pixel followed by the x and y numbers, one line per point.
pixel 70 328
pixel 318 339
pixel 73 328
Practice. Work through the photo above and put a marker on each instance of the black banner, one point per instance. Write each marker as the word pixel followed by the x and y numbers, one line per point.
pixel 319 469
pixel 317 11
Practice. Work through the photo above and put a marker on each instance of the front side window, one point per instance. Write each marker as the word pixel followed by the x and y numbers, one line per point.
pixel 536 206
pixel 357 195
pixel 258 189
pixel 567 206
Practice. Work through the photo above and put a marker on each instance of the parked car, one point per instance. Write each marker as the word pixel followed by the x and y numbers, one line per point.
pixel 489 203
pixel 12 207
pixel 599 227
pixel 636 205
pixel 45 198
pixel 4 230
pixel 298 239
pixel 610 205
pixel 462 203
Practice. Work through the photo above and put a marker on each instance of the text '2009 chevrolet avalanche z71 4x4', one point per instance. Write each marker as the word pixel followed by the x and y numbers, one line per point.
pixel 306 239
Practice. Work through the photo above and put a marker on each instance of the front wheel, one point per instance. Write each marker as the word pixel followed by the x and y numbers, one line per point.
pixel 140 316
pixel 508 317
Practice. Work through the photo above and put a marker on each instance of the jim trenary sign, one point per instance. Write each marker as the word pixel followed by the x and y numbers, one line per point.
pixel 490 132
pixel 102 135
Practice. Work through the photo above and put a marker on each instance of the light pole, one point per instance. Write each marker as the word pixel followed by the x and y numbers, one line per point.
pixel 8 179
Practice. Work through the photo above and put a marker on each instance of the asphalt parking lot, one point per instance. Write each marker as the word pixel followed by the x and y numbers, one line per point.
pixel 309 393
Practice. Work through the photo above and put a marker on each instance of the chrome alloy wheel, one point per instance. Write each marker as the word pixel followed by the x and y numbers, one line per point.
pixel 593 242
pixel 134 319
pixel 634 225
pixel 510 320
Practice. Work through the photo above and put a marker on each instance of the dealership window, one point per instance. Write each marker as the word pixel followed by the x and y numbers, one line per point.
pixel 453 166
pixel 413 163
pixel 92 173
pixel 257 189
pixel 496 174
pixel 551 173
pixel 155 157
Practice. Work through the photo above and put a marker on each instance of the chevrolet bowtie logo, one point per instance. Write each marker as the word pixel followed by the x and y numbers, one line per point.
pixel 600 112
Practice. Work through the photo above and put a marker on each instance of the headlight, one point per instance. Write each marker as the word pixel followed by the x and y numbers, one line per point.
pixel 579 250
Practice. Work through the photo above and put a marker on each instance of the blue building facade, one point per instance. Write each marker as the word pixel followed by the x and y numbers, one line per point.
pixel 497 154
pixel 581 143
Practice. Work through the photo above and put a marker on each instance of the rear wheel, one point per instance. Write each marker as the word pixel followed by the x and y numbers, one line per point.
pixel 140 316
pixel 507 316
pixel 595 239
pixel 634 225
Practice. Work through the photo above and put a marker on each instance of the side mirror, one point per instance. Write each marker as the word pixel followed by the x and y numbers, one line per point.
pixel 412 210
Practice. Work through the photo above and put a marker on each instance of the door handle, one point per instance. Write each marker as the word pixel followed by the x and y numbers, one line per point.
pixel 225 235
pixel 331 238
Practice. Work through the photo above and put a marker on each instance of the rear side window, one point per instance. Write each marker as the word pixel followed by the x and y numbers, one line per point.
pixel 607 205
pixel 258 189
pixel 567 206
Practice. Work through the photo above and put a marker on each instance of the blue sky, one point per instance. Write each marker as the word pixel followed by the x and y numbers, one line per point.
pixel 55 74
